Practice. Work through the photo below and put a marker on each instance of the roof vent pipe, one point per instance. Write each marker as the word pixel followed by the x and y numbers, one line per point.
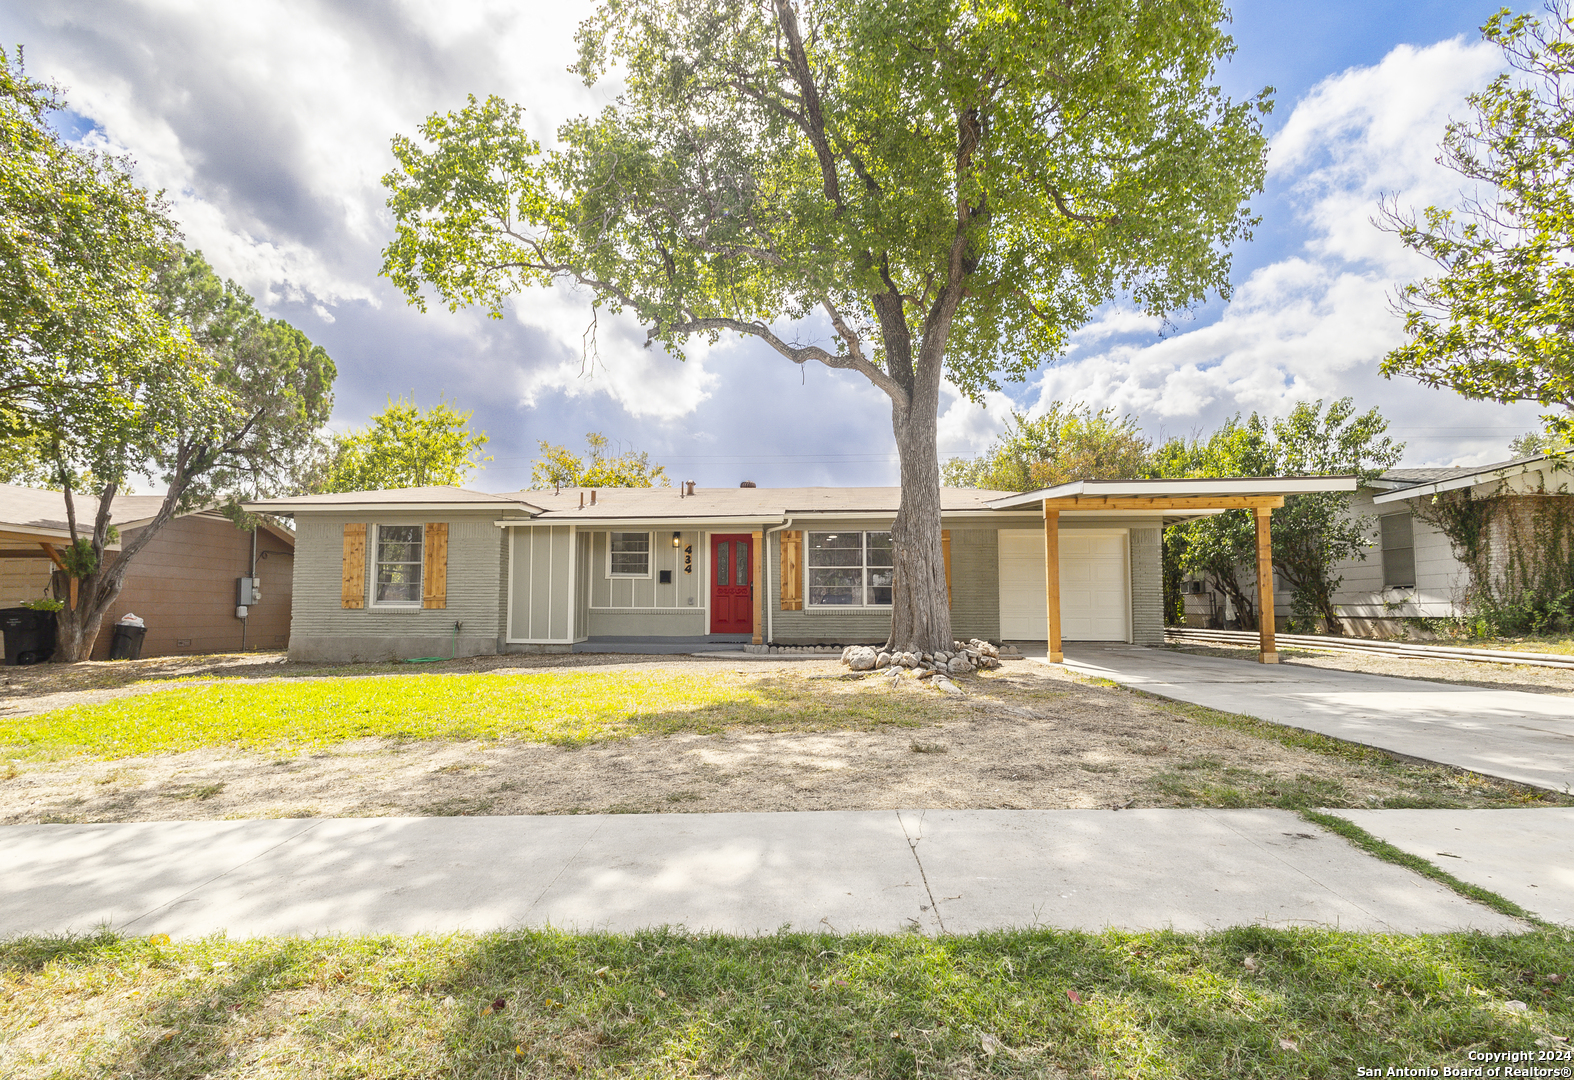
pixel 747 483
pixel 581 500
pixel 690 485
pixel 592 496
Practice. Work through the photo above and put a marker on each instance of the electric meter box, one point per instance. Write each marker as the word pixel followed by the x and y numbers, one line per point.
pixel 248 591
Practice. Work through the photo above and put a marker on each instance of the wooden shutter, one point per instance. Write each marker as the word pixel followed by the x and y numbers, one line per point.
pixel 434 578
pixel 792 571
pixel 945 552
pixel 352 587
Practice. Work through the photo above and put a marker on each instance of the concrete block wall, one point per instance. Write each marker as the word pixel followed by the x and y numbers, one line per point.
pixel 324 630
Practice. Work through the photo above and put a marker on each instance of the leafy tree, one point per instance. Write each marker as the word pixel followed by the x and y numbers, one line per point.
pixel 404 447
pixel 929 187
pixel 557 467
pixel 78 238
pixel 1496 322
pixel 1222 548
pixel 1314 532
pixel 228 420
pixel 1064 444
pixel 1536 442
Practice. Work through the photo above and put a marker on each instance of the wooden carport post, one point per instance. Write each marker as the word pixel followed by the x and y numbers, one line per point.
pixel 1052 581
pixel 1267 650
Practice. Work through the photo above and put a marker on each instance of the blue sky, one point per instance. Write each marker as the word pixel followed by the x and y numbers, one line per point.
pixel 268 123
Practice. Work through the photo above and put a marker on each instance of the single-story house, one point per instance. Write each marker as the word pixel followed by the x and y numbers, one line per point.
pixel 441 571
pixel 1413 571
pixel 183 584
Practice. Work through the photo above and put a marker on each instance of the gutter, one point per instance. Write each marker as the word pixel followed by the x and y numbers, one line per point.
pixel 765 566
pixel 643 523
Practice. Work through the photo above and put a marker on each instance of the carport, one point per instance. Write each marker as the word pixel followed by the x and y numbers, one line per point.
pixel 1175 501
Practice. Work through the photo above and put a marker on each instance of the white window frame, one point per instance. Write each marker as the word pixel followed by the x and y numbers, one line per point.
pixel 808 570
pixel 650 553
pixel 374 562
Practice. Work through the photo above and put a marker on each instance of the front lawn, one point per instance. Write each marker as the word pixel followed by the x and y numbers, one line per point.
pixel 1240 1003
pixel 682 736
pixel 562 708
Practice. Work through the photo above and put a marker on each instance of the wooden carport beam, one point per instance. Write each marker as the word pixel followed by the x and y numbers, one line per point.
pixel 1052 581
pixel 1165 502
pixel 49 549
pixel 1267 649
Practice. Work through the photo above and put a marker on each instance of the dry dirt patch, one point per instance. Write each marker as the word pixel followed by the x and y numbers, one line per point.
pixel 1028 736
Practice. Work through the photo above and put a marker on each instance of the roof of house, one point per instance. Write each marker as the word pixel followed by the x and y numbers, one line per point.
pixel 754 503
pixel 1176 488
pixel 38 513
pixel 1413 483
pixel 415 498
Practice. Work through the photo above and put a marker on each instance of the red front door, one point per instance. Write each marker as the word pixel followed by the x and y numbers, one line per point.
pixel 731 589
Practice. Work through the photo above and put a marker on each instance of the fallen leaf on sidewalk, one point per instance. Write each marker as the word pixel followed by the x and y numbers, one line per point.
pixel 159 939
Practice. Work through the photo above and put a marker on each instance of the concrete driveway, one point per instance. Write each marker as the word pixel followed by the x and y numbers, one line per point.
pixel 936 871
pixel 1528 738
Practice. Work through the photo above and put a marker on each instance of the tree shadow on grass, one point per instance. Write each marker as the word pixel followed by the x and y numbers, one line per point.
pixel 1250 1002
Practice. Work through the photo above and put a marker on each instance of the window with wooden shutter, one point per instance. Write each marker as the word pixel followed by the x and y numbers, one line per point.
pixel 352 587
pixel 945 552
pixel 792 571
pixel 434 594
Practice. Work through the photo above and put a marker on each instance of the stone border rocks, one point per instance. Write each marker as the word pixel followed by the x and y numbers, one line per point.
pixel 964 656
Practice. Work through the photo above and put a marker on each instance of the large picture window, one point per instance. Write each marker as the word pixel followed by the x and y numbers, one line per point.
pixel 630 554
pixel 850 569
pixel 398 574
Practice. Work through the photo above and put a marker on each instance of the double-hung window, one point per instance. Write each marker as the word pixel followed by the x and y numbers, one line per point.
pixel 398 574
pixel 1399 551
pixel 629 555
pixel 850 569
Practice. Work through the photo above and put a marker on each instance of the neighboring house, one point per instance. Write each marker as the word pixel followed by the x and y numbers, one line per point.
pixel 183 584
pixel 444 571
pixel 1412 570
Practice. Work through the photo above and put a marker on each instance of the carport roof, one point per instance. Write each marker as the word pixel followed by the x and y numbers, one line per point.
pixel 1181 493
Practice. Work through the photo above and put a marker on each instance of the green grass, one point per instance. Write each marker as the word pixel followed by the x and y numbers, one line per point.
pixel 562 708
pixel 1389 853
pixel 1310 1003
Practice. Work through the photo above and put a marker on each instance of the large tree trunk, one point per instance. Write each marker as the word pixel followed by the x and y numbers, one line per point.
pixel 920 610
pixel 77 629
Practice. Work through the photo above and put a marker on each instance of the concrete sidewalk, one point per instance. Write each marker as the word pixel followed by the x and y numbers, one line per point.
pixel 936 871
pixel 1527 738
pixel 1526 856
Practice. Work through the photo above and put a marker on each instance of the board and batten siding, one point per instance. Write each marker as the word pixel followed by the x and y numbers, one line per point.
pixel 322 629
pixel 541 598
pixel 643 606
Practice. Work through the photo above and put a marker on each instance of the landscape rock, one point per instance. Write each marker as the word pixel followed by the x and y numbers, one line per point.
pixel 862 658
pixel 947 685
pixel 958 665
pixel 883 660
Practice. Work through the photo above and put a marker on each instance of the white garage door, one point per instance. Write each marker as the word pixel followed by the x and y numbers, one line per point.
pixel 1094 604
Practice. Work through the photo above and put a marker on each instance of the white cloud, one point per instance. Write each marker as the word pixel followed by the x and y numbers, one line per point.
pixel 1315 323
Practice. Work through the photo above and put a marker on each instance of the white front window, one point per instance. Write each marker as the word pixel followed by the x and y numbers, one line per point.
pixel 629 554
pixel 397 579
pixel 850 569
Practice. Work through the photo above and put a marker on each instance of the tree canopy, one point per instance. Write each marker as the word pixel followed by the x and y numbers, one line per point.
pixel 1065 443
pixel 558 467
pixel 404 447
pixel 901 188
pixel 1497 322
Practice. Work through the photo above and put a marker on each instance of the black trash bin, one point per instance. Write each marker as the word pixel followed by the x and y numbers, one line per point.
pixel 29 635
pixel 127 642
